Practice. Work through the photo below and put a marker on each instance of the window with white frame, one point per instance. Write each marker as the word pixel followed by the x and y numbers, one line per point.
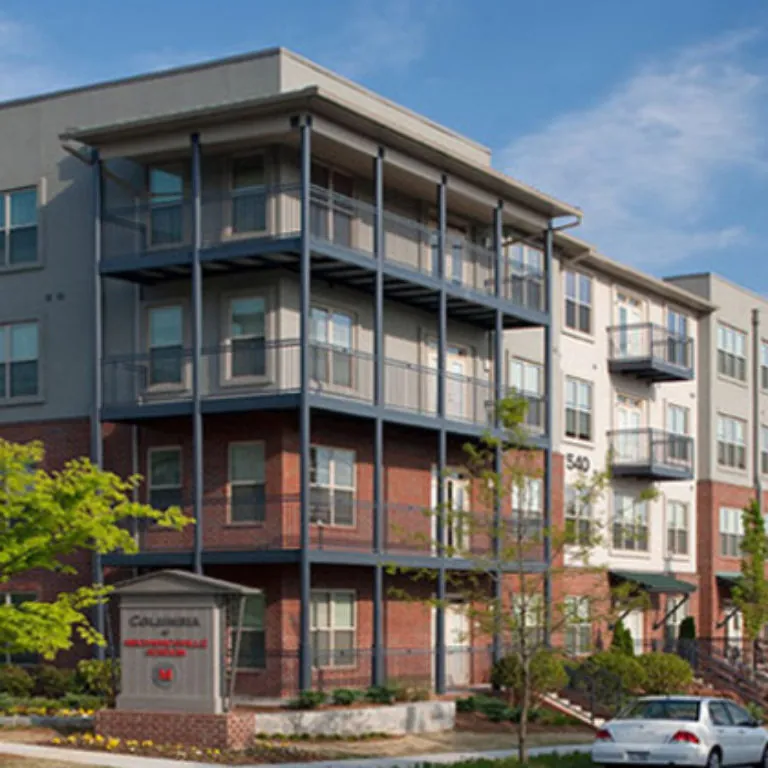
pixel 164 477
pixel 331 334
pixel 731 442
pixel 578 626
pixel 677 338
pixel 630 523
pixel 578 301
pixel 731 352
pixel 527 381
pixel 247 337
pixel 332 490
pixel 253 654
pixel 166 205
pixel 528 505
pixel 166 346
pixel 677 528
pixel 764 365
pixel 19 361
pixel 764 449
pixel 18 227
pixel 249 201
pixel 677 426
pixel 731 531
pixel 528 612
pixel 578 409
pixel 333 626
pixel 578 516
pixel 247 483
pixel 525 265
pixel 16 599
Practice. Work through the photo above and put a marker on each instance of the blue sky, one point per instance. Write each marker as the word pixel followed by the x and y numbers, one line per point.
pixel 652 115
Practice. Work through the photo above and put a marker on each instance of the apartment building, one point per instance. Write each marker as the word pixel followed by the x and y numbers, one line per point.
pixel 290 299
pixel 733 439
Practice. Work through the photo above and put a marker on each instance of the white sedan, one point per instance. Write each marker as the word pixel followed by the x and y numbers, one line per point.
pixel 682 730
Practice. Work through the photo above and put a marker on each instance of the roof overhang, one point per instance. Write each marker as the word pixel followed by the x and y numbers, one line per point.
pixel 317 101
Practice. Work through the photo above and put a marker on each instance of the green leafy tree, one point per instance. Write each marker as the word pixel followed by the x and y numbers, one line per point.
pixel 498 591
pixel 622 642
pixel 45 519
pixel 750 593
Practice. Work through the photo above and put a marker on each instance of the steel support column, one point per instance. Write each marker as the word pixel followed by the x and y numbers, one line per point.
pixel 97 445
pixel 378 438
pixel 548 405
pixel 305 567
pixel 197 349
pixel 442 438
pixel 498 393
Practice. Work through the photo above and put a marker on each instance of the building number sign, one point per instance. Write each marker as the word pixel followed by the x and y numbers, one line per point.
pixel 578 462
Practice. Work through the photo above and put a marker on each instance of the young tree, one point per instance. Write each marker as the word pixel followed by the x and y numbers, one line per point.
pixel 45 519
pixel 750 593
pixel 500 592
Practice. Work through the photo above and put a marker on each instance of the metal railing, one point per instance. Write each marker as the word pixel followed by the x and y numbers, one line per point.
pixel 646 341
pixel 650 448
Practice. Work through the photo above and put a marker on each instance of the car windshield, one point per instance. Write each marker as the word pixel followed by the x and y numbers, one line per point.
pixel 661 709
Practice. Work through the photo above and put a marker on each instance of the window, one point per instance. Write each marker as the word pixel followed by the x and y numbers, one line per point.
pixel 677 339
pixel 333 628
pixel 718 713
pixel 456 525
pixel 249 201
pixel 247 337
pixel 739 716
pixel 166 206
pixel 731 352
pixel 527 380
pixel 764 449
pixel 529 613
pixel 578 409
pixel 18 227
pixel 331 334
pixel 526 275
pixel 578 516
pixel 731 531
pixel 764 365
pixel 332 492
pixel 578 628
pixel 528 506
pixel 332 206
pixel 16 599
pixel 19 361
pixel 731 445
pixel 578 302
pixel 164 477
pixel 677 426
pixel 247 483
pixel 253 653
pixel 166 346
pixel 630 523
pixel 677 528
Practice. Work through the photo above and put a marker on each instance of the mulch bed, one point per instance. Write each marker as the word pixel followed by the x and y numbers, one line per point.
pixel 474 721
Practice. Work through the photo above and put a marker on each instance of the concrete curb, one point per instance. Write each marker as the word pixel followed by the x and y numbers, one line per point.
pixel 108 760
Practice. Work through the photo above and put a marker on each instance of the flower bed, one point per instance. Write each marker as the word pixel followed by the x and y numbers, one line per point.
pixel 67 706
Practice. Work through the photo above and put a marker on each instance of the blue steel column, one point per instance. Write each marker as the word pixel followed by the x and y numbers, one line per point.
pixel 197 348
pixel 97 446
pixel 548 407
pixel 305 576
pixel 442 439
pixel 498 391
pixel 378 441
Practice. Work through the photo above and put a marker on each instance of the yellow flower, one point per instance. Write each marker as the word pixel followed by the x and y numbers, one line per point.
pixel 57 741
pixel 99 738
pixel 147 743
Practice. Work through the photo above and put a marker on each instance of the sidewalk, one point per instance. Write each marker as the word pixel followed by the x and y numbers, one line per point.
pixel 107 760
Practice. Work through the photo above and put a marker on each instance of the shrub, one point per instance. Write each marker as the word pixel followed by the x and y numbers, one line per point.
pixel 547 673
pixel 496 710
pixel 309 700
pixel 468 704
pixel 82 701
pixel 100 678
pixel 627 670
pixel 411 693
pixel 53 682
pixel 381 694
pixel 621 642
pixel 343 697
pixel 16 681
pixel 688 628
pixel 665 673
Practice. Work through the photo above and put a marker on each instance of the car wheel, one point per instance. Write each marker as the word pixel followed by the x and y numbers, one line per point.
pixel 764 760
pixel 713 761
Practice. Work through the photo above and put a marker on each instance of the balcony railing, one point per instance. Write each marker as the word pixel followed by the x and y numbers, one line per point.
pixel 651 352
pixel 251 368
pixel 651 454
pixel 153 229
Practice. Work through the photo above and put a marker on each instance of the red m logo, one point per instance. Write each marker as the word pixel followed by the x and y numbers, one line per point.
pixel 165 675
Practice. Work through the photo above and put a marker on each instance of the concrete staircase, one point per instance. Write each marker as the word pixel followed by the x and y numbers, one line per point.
pixel 565 706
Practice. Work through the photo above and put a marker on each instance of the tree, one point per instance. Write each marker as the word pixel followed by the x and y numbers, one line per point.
pixel 622 641
pixel 45 519
pixel 750 593
pixel 499 591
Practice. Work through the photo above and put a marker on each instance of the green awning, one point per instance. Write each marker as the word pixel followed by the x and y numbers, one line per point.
pixel 659 583
pixel 728 578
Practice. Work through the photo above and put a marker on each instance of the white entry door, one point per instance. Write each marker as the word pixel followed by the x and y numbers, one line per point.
pixel 457 646
pixel 630 316
pixel 628 446
pixel 634 621
pixel 734 633
pixel 458 395
pixel 456 533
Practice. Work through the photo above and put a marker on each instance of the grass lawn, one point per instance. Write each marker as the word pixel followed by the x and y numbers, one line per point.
pixel 551 761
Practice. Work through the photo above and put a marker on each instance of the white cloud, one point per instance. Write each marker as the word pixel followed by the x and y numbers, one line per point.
pixel 646 164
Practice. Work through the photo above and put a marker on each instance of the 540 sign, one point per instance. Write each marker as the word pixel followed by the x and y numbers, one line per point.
pixel 579 462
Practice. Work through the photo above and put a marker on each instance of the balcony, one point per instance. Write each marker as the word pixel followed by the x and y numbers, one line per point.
pixel 261 229
pixel 650 352
pixel 651 454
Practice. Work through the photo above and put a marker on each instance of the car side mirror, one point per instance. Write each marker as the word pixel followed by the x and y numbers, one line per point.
pixel 754 723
